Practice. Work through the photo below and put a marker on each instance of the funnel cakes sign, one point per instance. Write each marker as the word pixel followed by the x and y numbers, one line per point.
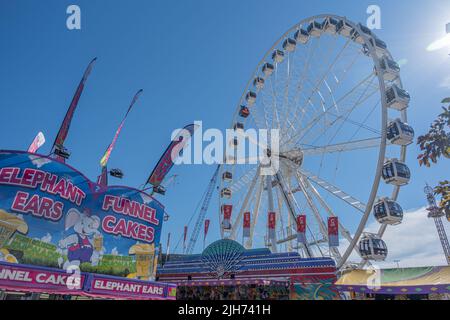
pixel 53 216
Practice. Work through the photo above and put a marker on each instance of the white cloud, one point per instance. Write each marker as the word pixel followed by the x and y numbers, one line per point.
pixel 47 238
pixel 414 243
pixel 445 83
pixel 114 251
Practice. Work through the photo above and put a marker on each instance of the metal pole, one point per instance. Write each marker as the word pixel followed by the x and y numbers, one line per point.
pixel 436 213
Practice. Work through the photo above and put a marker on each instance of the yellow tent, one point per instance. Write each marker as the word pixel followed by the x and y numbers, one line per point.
pixel 423 280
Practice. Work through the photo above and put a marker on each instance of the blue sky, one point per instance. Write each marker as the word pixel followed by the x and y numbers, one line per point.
pixel 193 59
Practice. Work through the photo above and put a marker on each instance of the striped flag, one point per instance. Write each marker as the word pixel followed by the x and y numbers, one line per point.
pixel 207 223
pixel 37 143
pixel 105 158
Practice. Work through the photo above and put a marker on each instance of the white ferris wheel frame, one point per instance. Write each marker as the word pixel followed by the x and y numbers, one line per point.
pixel 366 209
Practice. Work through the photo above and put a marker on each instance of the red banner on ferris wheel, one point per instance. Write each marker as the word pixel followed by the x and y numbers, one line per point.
pixel 271 222
pixel 246 224
pixel 333 231
pixel 301 229
pixel 227 211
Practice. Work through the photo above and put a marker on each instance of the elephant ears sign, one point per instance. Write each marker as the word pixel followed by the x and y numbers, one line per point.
pixel 53 216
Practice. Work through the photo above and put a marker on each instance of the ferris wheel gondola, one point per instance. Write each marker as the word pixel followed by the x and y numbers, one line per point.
pixel 289 44
pixel 328 86
pixel 400 133
pixel 314 29
pixel 372 247
pixel 330 25
pixel 301 36
pixel 388 211
pixel 397 98
pixel 391 69
pixel 396 172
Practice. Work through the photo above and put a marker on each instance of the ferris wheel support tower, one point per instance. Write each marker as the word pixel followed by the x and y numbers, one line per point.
pixel 437 214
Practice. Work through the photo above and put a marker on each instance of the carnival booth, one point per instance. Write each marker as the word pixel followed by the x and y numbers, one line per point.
pixel 62 234
pixel 425 283
pixel 226 270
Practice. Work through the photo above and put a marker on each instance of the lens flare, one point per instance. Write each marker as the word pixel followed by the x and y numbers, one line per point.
pixel 440 44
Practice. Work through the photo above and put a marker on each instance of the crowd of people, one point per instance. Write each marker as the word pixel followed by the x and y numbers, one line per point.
pixel 238 292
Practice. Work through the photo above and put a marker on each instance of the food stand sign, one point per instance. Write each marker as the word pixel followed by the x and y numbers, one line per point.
pixel 52 216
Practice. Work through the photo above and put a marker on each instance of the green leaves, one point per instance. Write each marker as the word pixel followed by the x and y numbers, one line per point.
pixel 444 191
pixel 436 143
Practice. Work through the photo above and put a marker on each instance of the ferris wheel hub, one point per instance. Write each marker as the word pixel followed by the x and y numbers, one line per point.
pixel 295 156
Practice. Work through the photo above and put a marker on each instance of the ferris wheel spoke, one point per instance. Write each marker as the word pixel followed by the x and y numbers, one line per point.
pixel 242 161
pixel 322 78
pixel 362 95
pixel 243 181
pixel 270 205
pixel 285 104
pixel 290 202
pixel 344 232
pixel 318 217
pixel 335 191
pixel 338 82
pixel 301 82
pixel 281 231
pixel 306 69
pixel 275 115
pixel 257 119
pixel 340 120
pixel 343 147
pixel 312 206
pixel 244 206
pixel 311 124
pixel 256 208
pixel 266 106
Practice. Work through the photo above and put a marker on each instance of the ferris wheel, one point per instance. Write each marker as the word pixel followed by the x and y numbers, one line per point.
pixel 334 93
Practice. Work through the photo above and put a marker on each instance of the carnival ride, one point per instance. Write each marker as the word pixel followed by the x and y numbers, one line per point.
pixel 436 213
pixel 334 93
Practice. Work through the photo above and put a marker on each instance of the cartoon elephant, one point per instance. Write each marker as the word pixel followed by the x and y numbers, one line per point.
pixel 79 245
